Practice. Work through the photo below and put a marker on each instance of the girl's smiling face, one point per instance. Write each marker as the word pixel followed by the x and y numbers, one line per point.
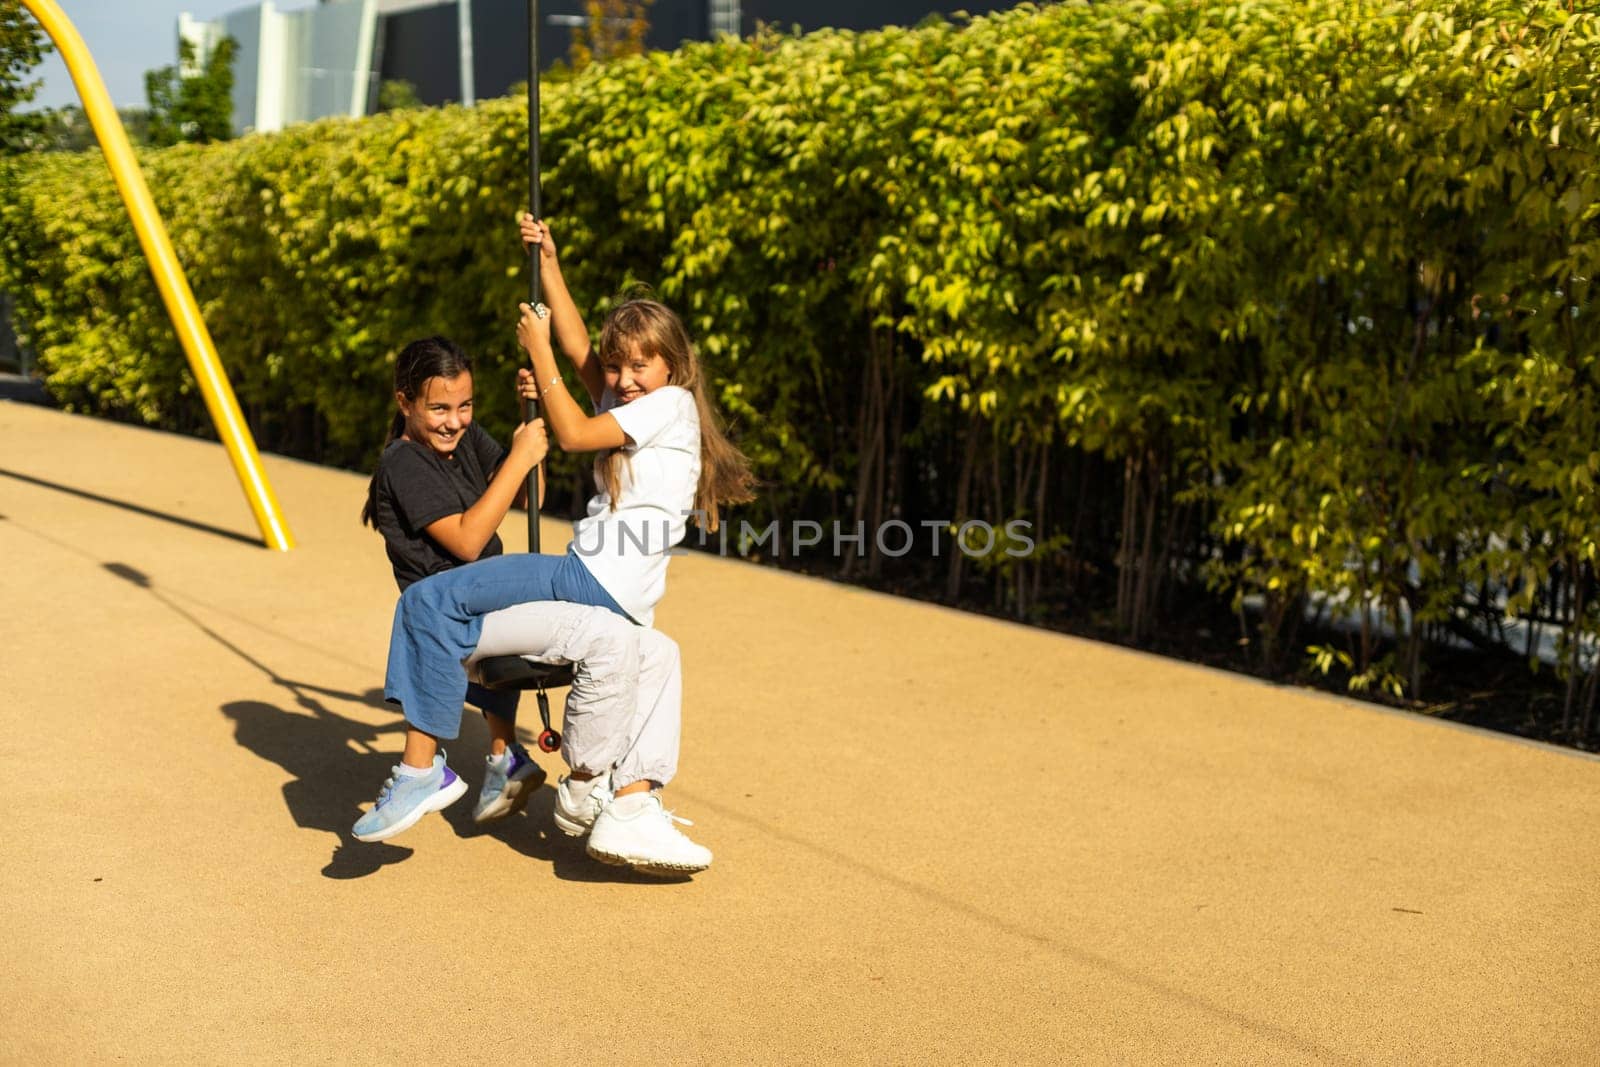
pixel 636 374
pixel 440 414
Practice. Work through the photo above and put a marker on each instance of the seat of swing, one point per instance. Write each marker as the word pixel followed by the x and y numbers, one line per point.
pixel 520 672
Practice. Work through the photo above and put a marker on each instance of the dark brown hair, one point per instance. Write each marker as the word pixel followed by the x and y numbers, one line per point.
pixel 431 357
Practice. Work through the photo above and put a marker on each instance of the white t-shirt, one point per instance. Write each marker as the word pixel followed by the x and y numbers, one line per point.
pixel 626 548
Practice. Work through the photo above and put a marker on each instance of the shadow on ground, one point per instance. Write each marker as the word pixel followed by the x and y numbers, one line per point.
pixel 338 765
pixel 137 509
pixel 533 833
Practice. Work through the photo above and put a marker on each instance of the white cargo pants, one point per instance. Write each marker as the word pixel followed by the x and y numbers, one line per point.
pixel 625 708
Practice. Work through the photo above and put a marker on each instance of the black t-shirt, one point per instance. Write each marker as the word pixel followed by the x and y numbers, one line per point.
pixel 417 486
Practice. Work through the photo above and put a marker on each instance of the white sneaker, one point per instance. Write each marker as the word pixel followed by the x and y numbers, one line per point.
pixel 636 831
pixel 576 808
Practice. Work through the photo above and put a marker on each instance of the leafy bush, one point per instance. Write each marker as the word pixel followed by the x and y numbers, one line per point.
pixel 1290 297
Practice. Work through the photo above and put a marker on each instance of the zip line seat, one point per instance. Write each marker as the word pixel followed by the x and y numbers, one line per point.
pixel 521 672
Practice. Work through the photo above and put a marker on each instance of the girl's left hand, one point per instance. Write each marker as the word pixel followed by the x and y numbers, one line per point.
pixel 534 329
pixel 527 388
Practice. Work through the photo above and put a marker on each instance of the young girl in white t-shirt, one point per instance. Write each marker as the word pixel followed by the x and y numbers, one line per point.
pixel 663 459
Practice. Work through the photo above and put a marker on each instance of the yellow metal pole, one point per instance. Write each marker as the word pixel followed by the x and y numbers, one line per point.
pixel 169 277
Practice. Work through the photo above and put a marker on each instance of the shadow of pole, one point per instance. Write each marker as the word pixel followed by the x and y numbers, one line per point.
pixel 333 758
pixel 137 509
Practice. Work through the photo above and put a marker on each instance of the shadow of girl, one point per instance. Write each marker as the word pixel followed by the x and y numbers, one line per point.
pixel 334 760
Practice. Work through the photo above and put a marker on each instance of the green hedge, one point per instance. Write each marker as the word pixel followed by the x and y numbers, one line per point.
pixel 1290 297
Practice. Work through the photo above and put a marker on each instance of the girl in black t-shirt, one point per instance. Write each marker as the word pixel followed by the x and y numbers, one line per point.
pixel 440 491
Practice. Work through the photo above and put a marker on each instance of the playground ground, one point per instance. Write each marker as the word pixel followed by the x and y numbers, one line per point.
pixel 938 837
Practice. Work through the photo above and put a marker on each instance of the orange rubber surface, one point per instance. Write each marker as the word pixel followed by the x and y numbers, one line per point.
pixel 938 837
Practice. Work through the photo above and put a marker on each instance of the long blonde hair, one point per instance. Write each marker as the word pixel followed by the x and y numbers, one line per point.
pixel 725 476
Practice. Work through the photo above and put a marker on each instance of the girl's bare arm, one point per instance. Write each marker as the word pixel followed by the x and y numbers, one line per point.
pixel 464 534
pixel 574 429
pixel 566 320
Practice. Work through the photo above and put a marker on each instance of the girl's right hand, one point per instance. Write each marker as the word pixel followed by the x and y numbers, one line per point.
pixel 530 443
pixel 535 232
pixel 527 388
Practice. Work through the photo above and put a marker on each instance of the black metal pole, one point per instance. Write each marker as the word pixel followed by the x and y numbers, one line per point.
pixel 531 408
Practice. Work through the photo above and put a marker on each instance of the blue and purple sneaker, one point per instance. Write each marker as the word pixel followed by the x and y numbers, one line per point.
pixel 508 783
pixel 406 798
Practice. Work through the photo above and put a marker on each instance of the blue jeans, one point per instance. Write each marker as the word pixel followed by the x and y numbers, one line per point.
pixel 438 620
